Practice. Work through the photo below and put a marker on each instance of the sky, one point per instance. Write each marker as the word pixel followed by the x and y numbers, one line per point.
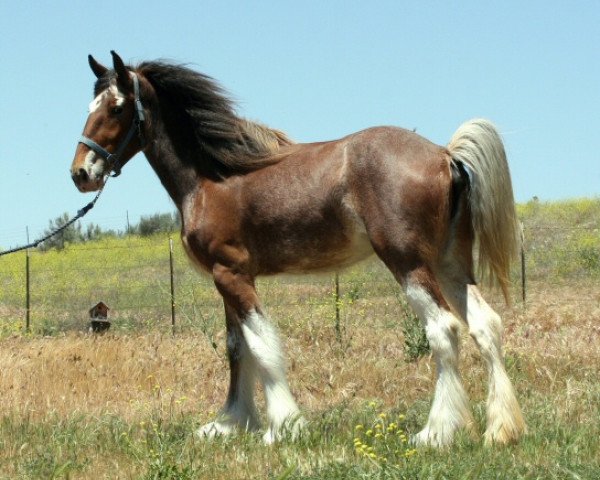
pixel 318 70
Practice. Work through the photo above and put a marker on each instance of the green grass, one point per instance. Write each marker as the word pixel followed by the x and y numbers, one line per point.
pixel 562 239
pixel 164 448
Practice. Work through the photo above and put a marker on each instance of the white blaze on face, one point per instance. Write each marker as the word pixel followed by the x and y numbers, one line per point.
pixel 96 102
pixel 119 97
pixel 111 91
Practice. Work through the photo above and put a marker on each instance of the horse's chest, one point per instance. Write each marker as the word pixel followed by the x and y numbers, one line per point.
pixel 198 255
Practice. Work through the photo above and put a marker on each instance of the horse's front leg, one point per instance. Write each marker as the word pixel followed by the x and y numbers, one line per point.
pixel 282 412
pixel 262 345
pixel 239 411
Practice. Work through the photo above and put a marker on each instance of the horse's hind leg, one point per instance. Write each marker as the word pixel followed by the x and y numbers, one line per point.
pixel 239 410
pixel 504 419
pixel 450 408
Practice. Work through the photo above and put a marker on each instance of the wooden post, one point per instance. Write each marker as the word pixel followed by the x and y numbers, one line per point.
pixel 338 328
pixel 523 272
pixel 172 285
pixel 27 289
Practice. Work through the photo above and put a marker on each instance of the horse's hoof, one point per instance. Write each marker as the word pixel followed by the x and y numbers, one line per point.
pixel 291 430
pixel 429 438
pixel 503 434
pixel 214 429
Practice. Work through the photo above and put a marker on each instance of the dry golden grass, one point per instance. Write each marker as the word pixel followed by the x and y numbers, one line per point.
pixel 552 348
pixel 120 374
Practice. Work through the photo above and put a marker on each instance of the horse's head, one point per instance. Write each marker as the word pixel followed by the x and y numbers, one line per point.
pixel 113 132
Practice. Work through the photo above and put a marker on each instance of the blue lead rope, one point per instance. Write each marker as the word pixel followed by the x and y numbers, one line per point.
pixel 80 213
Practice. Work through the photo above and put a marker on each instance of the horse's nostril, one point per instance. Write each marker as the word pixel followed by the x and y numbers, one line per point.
pixel 83 175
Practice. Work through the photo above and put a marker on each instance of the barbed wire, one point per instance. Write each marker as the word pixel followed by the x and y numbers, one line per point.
pixel 545 227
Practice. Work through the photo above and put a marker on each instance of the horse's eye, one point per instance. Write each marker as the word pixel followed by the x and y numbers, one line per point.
pixel 117 110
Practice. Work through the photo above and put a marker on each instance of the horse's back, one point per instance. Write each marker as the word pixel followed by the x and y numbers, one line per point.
pixel 398 173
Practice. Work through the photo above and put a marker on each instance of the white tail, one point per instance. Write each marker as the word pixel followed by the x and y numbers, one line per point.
pixel 478 145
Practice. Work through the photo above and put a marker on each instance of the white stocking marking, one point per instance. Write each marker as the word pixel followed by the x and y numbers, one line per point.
pixel 505 421
pixel 450 408
pixel 240 410
pixel 263 343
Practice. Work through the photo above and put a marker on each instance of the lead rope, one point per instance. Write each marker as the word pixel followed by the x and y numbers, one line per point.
pixel 80 214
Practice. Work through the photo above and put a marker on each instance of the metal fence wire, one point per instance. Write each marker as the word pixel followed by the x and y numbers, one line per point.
pixel 148 282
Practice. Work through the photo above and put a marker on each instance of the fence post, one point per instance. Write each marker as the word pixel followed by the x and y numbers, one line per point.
pixel 523 272
pixel 27 293
pixel 27 288
pixel 172 285
pixel 338 328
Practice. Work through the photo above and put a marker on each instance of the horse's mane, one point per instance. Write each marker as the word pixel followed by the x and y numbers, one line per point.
pixel 203 109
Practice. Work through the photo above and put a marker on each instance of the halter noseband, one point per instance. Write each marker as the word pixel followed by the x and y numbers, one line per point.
pixel 114 159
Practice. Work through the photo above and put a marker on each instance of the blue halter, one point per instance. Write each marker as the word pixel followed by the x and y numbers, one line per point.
pixel 114 159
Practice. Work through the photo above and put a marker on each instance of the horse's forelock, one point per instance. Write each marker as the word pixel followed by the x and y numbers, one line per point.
pixel 104 82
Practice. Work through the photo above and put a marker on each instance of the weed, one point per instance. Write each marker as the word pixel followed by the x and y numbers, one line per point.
pixel 164 454
pixel 416 344
pixel 383 441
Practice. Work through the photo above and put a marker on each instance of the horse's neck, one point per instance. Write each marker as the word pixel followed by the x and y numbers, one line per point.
pixel 179 178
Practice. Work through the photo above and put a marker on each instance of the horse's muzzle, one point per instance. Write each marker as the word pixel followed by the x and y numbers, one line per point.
pixel 83 182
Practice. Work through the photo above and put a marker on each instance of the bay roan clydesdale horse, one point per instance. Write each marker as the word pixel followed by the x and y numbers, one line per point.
pixel 253 203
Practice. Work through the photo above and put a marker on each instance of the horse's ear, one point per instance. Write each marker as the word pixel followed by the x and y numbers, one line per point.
pixel 98 69
pixel 123 77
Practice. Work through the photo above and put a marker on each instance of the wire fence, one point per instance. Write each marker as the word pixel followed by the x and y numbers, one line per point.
pixel 150 283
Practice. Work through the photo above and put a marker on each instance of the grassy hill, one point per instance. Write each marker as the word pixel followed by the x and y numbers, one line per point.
pixel 562 239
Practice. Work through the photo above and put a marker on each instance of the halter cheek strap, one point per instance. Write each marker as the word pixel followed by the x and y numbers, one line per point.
pixel 114 159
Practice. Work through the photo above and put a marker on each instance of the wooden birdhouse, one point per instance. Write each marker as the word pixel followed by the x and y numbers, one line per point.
pixel 99 322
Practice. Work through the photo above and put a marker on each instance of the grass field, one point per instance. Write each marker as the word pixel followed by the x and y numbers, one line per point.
pixel 125 405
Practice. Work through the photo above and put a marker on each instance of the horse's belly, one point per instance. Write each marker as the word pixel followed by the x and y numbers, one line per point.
pixel 331 256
